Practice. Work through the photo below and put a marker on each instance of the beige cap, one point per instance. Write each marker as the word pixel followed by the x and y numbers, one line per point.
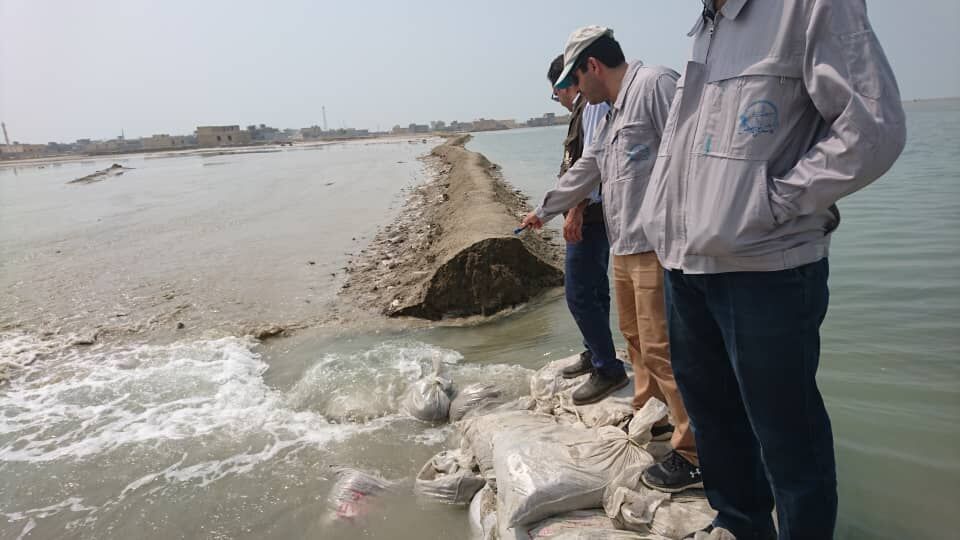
pixel 579 40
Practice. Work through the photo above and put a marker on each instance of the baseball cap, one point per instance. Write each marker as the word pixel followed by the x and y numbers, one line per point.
pixel 579 40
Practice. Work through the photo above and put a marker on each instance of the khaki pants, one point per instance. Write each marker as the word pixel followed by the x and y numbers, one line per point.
pixel 638 283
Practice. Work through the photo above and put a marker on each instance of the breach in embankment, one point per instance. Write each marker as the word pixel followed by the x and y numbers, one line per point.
pixel 452 251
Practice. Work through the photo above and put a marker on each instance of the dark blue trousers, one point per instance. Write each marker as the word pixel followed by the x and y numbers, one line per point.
pixel 588 295
pixel 745 349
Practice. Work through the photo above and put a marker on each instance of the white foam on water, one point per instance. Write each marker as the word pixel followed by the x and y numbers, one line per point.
pixel 89 402
pixel 193 412
pixel 368 384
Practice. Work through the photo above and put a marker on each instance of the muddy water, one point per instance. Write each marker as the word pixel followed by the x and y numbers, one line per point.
pixel 155 432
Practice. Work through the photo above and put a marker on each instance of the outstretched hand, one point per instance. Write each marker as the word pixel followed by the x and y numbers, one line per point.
pixel 531 221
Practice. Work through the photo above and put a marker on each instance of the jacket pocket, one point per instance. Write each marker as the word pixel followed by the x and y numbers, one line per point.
pixel 728 210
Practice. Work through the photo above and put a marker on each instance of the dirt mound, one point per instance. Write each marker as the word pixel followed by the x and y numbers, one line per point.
pixel 452 251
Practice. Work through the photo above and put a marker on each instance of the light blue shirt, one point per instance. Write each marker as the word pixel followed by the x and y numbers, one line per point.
pixel 592 115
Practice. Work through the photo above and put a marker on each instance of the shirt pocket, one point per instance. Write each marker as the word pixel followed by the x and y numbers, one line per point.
pixel 634 151
pixel 750 114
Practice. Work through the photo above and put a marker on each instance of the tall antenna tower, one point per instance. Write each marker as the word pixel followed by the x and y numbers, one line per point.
pixel 5 136
pixel 324 117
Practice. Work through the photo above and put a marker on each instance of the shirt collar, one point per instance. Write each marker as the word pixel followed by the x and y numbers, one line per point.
pixel 628 76
pixel 730 11
pixel 732 8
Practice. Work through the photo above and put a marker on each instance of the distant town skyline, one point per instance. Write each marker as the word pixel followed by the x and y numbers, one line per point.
pixel 89 70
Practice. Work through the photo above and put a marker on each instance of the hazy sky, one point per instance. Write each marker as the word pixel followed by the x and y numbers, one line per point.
pixel 73 69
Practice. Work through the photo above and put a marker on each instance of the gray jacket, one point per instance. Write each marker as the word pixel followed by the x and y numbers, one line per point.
pixel 621 157
pixel 787 106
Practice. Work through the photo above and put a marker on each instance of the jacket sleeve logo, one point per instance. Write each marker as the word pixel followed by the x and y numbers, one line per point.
pixel 759 117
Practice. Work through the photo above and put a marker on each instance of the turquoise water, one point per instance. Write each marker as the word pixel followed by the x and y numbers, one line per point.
pixel 890 368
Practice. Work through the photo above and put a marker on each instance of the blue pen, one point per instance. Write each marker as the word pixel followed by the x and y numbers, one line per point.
pixel 519 230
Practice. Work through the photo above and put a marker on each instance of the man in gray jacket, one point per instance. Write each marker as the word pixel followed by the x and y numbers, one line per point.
pixel 621 158
pixel 786 106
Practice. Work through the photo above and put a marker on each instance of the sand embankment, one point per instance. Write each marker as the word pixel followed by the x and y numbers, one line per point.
pixel 452 251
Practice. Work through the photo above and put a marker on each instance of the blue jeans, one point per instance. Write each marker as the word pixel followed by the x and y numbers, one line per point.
pixel 745 349
pixel 588 296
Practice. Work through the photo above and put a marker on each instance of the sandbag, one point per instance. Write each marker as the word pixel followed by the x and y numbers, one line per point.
pixel 633 506
pixel 578 525
pixel 474 399
pixel 354 493
pixel 716 534
pixel 449 477
pixel 538 477
pixel 429 398
pixel 483 514
pixel 477 435
pixel 554 395
pixel 548 381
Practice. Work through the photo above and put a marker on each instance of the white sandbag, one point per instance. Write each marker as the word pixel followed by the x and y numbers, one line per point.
pixel 548 381
pixel 483 515
pixel 538 477
pixel 449 477
pixel 554 395
pixel 716 534
pixel 630 504
pixel 429 398
pixel 633 506
pixel 682 516
pixel 354 494
pixel 477 434
pixel 578 525
pixel 475 398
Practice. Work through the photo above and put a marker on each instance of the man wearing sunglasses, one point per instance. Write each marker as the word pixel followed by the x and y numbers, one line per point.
pixel 588 250
pixel 620 159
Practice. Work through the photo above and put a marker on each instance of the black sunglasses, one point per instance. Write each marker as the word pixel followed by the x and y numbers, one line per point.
pixel 555 97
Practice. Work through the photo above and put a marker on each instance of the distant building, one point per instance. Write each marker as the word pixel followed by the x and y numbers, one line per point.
pixel 548 119
pixel 164 141
pixel 18 150
pixel 397 130
pixel 418 128
pixel 221 136
pixel 317 133
pixel 484 124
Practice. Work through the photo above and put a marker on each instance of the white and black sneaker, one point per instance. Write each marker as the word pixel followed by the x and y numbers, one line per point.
pixel 673 474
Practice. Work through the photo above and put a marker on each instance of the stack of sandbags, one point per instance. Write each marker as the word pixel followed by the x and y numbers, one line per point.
pixel 541 476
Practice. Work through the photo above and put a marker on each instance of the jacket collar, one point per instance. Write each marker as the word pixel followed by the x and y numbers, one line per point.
pixel 730 11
